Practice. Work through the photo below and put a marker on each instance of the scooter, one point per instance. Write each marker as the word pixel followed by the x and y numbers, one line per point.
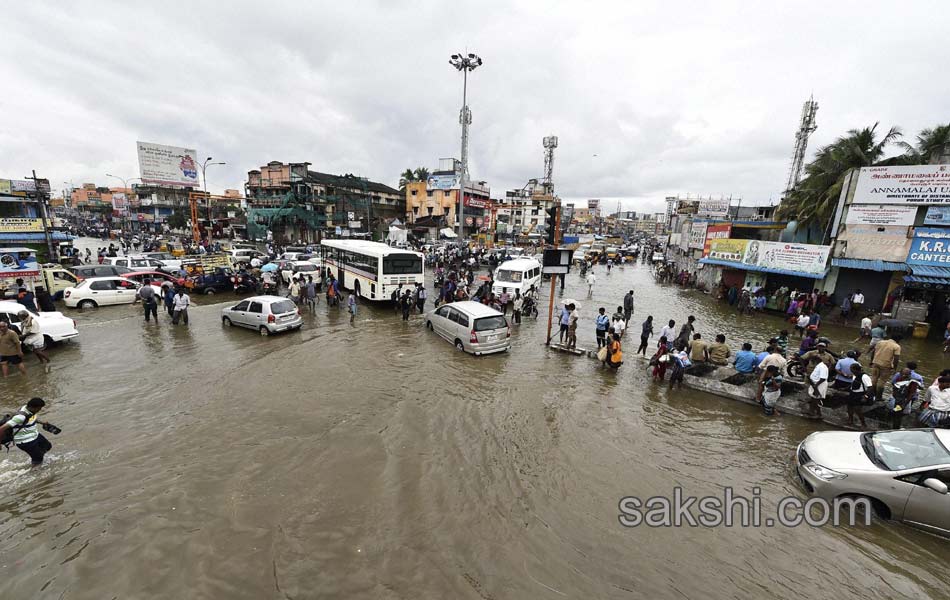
pixel 244 283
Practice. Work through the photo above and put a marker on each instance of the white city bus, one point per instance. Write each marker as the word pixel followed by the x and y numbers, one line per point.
pixel 371 269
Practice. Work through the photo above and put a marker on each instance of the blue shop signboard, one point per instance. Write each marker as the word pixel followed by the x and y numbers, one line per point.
pixel 931 246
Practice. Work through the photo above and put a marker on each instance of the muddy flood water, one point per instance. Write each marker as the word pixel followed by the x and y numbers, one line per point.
pixel 374 461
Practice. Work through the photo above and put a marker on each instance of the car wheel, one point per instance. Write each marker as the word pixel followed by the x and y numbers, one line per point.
pixel 265 331
pixel 47 341
pixel 226 321
pixel 881 510
pixel 459 345
pixel 429 325
pixel 86 304
pixel 209 292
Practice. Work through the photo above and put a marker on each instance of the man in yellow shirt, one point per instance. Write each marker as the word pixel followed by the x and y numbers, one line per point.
pixel 698 350
pixel 718 351
pixel 886 356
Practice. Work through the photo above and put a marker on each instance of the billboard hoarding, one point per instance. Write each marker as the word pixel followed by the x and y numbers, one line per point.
pixel 120 203
pixel 167 165
pixel 937 215
pixel 801 258
pixel 697 235
pixel 443 182
pixel 715 232
pixel 728 249
pixel 5 186
pixel 713 208
pixel 883 215
pixel 911 186
pixel 20 225
pixel 18 263
pixel 931 246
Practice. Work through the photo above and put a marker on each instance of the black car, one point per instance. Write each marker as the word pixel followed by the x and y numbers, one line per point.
pixel 214 283
pixel 87 271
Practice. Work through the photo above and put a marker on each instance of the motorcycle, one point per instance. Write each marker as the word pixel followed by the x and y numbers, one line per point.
pixel 244 283
pixel 269 288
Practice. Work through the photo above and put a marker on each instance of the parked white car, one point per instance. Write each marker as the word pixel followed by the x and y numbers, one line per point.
pixel 55 326
pixel 103 291
pixel 471 327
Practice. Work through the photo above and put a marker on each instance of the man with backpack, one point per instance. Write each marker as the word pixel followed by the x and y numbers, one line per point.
pixel 20 429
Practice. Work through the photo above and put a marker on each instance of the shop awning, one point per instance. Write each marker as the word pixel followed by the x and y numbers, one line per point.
pixel 868 265
pixel 923 274
pixel 744 267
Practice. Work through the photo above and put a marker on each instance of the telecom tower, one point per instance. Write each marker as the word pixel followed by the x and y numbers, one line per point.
pixel 805 129
pixel 550 143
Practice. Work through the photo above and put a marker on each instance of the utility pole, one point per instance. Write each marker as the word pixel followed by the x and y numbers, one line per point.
pixel 557 241
pixel 41 201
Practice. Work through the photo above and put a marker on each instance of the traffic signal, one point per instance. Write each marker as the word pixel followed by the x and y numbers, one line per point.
pixel 550 225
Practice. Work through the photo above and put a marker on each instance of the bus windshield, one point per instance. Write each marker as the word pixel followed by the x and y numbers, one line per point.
pixel 402 264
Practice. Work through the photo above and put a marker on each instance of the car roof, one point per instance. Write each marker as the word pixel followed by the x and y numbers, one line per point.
pixel 474 309
pixel 519 264
pixel 105 278
pixel 263 299
pixel 13 306
pixel 143 273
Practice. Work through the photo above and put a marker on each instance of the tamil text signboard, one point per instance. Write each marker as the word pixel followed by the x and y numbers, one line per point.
pixel 715 232
pixel 883 215
pixel 931 246
pixel 697 235
pixel 912 186
pixel 20 225
pixel 167 165
pixel 728 250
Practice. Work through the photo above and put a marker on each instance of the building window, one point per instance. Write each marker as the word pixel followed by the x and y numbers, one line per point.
pixel 429 193
pixel 414 192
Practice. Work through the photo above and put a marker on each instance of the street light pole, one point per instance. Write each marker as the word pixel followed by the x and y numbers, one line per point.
pixel 464 63
pixel 126 188
pixel 204 179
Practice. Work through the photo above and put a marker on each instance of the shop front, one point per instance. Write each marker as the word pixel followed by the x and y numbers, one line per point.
pixel 927 289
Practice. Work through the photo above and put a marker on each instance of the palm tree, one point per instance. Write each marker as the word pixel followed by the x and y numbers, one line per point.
pixel 405 178
pixel 933 147
pixel 421 173
pixel 814 199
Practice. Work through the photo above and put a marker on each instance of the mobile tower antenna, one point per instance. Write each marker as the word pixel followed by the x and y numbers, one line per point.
pixel 805 128
pixel 550 143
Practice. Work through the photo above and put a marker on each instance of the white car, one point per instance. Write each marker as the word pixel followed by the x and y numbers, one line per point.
pixel 54 326
pixel 266 314
pixel 300 267
pixel 294 256
pixel 244 255
pixel 135 262
pixel 102 291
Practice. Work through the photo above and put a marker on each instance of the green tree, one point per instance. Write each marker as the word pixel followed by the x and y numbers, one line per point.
pixel 813 201
pixel 177 220
pixel 405 178
pixel 932 147
pixel 421 174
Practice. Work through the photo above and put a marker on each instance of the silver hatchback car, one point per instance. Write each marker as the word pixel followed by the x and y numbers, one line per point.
pixel 472 327
pixel 266 314
pixel 904 473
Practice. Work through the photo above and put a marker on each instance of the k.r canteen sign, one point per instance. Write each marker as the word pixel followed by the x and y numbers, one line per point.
pixel 931 246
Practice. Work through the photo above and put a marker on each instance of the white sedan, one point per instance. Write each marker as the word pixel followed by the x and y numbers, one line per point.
pixel 54 326
pixel 102 291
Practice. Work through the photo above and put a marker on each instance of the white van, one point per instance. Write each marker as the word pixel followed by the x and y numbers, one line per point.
pixel 517 274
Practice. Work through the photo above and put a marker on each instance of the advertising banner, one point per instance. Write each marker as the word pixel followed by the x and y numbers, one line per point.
pixel 475 202
pixel 871 214
pixel 930 247
pixel 801 258
pixel 937 215
pixel 728 249
pixel 20 225
pixel 684 236
pixel 442 182
pixel 714 209
pixel 715 232
pixel 5 186
pixel 120 203
pixel 167 165
pixel 18 262
pixel 697 235
pixel 22 185
pixel 912 186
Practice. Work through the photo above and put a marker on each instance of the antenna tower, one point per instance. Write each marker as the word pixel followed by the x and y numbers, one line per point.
pixel 805 129
pixel 550 143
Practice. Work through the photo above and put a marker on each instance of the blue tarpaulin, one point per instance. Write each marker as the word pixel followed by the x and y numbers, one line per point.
pixel 929 274
pixel 58 236
pixel 868 265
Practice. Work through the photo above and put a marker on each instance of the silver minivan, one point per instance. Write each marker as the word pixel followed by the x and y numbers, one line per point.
pixel 472 327
pixel 266 314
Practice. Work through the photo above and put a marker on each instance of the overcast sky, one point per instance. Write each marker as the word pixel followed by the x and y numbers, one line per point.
pixel 647 99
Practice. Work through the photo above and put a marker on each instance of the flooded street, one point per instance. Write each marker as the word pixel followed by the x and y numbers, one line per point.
pixel 374 461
